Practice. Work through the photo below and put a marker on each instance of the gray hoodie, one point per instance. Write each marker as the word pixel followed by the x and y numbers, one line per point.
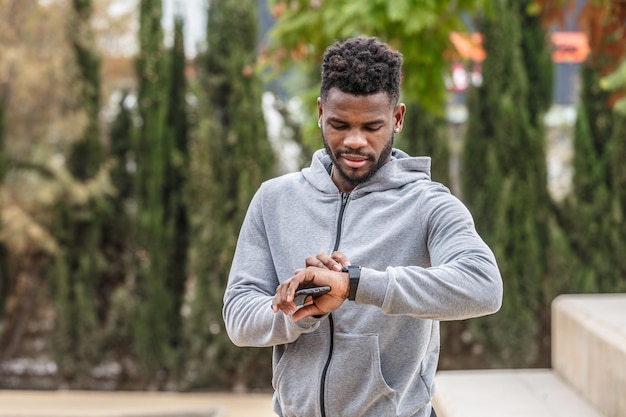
pixel 422 261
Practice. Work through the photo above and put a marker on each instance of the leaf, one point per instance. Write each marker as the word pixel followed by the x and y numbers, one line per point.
pixel 620 106
pixel 616 79
pixel 397 10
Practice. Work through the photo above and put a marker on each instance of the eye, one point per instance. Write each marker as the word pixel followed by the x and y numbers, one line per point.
pixel 338 126
pixel 373 128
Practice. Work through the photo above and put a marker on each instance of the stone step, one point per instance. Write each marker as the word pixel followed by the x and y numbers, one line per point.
pixel 508 393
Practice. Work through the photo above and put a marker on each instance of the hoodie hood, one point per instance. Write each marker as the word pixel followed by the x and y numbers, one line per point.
pixel 399 171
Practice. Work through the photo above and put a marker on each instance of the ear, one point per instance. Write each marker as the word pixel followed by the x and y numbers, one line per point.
pixel 398 116
pixel 319 112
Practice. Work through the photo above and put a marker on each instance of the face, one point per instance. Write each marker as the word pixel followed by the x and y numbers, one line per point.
pixel 358 131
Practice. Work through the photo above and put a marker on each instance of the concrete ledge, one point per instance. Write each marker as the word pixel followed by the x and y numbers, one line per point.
pixel 589 348
pixel 132 404
pixel 507 393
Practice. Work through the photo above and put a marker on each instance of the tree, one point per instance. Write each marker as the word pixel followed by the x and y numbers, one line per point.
pixel 419 30
pixel 593 213
pixel 177 210
pixel 120 303
pixel 161 223
pixel 505 182
pixel 46 117
pixel 79 268
pixel 232 156
pixel 423 133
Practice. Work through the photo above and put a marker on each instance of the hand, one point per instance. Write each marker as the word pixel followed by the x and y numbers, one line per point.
pixel 320 270
pixel 334 262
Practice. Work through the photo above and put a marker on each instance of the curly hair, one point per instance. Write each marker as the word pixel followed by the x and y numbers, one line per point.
pixel 362 66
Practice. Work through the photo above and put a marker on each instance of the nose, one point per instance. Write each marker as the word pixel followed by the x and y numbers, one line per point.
pixel 355 139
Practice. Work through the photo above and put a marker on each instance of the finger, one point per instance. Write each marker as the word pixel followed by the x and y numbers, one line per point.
pixel 341 259
pixel 281 299
pixel 285 307
pixel 306 311
pixel 291 290
pixel 329 262
pixel 314 261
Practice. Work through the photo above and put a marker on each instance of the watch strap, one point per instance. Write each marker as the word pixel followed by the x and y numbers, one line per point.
pixel 354 275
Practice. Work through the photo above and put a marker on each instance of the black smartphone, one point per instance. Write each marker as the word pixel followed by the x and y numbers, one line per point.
pixel 303 294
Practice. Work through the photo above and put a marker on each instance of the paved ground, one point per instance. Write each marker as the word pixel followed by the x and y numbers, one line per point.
pixel 483 393
pixel 132 404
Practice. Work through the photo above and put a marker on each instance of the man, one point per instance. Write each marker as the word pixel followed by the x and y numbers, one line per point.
pixel 398 250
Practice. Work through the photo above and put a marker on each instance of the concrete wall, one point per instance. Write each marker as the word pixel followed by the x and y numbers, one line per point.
pixel 589 348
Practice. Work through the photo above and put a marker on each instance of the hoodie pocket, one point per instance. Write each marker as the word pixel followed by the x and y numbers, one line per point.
pixel 297 375
pixel 355 381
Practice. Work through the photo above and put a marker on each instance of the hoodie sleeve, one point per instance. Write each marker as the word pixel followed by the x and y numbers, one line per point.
pixel 251 286
pixel 463 280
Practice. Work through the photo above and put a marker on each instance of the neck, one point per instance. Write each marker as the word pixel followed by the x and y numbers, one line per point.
pixel 342 185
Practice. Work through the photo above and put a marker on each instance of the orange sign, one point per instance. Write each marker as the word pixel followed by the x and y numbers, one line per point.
pixel 569 47
pixel 468 46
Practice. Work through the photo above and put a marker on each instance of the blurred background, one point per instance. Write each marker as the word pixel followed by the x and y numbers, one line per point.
pixel 133 135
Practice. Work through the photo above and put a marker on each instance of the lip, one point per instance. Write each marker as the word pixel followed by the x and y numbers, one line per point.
pixel 354 162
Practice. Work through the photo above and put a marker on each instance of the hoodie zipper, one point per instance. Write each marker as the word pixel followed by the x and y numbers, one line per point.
pixel 344 202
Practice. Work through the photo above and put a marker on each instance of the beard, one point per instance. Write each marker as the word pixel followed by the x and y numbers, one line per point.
pixel 354 179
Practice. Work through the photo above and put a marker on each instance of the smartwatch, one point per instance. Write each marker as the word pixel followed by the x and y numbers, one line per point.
pixel 354 274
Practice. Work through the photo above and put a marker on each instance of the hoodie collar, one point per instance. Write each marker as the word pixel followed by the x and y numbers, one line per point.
pixel 399 171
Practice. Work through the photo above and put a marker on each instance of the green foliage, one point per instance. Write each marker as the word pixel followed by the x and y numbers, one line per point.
pixel 593 214
pixel 505 184
pixel 616 81
pixel 539 66
pixel 161 228
pixel 118 296
pixel 87 154
pixel 152 233
pixel 231 157
pixel 617 151
pixel 423 134
pixel 177 210
pixel 419 29
pixel 79 267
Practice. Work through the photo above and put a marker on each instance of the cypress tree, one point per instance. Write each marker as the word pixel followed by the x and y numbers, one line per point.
pixel 593 214
pixel 79 266
pixel 121 150
pixel 161 156
pixel 87 155
pixel 617 153
pixel 618 168
pixel 121 301
pixel 162 226
pixel 233 156
pixel 505 187
pixel 176 182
